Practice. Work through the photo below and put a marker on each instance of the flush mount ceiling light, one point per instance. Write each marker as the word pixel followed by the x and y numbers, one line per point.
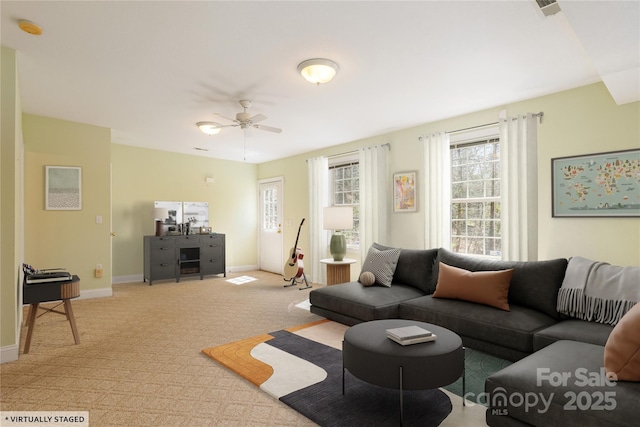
pixel 210 128
pixel 318 70
pixel 29 27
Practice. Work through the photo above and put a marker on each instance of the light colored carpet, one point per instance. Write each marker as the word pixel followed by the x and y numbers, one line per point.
pixel 140 360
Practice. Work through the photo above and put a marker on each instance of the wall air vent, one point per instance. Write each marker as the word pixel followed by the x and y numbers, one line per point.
pixel 548 7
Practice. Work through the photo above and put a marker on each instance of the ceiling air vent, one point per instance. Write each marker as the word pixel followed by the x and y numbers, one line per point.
pixel 548 7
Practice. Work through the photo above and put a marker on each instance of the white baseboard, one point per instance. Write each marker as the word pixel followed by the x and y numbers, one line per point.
pixel 239 268
pixel 96 293
pixel 116 280
pixel 9 353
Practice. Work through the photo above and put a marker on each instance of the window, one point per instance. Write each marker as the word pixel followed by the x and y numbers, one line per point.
pixel 345 188
pixel 475 198
pixel 270 206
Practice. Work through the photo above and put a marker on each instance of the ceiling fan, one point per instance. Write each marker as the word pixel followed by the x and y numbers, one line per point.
pixel 243 119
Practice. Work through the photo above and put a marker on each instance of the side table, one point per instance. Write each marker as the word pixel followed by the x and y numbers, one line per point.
pixel 46 292
pixel 369 355
pixel 338 271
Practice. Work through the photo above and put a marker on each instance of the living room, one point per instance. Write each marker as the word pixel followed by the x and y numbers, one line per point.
pixel 121 182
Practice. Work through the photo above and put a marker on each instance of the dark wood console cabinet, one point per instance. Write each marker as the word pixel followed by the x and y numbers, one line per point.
pixel 173 257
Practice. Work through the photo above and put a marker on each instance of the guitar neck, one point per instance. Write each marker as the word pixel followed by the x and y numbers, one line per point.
pixel 295 245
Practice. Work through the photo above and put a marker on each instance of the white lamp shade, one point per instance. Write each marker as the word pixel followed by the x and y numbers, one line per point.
pixel 160 213
pixel 337 218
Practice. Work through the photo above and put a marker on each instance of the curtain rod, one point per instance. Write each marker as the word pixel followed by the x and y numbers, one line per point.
pixel 355 151
pixel 539 115
pixel 386 144
pixel 473 127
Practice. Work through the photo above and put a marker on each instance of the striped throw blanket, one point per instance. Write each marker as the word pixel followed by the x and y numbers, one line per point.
pixel 597 291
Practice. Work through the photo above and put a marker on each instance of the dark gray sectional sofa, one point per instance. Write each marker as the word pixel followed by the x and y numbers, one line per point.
pixel 533 333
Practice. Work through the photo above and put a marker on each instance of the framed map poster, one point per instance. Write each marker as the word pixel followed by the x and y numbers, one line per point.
pixel 596 185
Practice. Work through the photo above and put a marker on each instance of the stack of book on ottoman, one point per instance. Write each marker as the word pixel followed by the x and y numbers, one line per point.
pixel 410 335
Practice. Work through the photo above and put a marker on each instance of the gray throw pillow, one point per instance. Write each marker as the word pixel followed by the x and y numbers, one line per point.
pixel 382 264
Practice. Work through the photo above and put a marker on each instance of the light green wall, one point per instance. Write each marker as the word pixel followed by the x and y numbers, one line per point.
pixel 579 121
pixel 11 219
pixel 69 239
pixel 142 176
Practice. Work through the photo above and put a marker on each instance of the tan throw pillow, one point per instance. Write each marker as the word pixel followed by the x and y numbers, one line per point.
pixel 622 350
pixel 483 287
pixel 367 278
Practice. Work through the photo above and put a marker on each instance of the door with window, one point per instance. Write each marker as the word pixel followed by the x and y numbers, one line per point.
pixel 270 256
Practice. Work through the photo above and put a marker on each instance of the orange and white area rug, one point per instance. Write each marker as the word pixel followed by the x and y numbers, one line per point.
pixel 275 371
pixel 302 367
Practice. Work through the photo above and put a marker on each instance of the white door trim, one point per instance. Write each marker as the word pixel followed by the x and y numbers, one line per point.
pixel 279 180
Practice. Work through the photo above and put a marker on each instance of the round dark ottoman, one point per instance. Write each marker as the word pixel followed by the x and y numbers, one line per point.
pixel 369 355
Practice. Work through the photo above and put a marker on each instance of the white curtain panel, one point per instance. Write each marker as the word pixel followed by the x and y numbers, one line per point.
pixel 374 196
pixel 437 190
pixel 519 192
pixel 318 199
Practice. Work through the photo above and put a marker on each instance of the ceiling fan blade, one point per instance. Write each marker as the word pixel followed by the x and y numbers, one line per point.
pixel 268 128
pixel 224 117
pixel 258 118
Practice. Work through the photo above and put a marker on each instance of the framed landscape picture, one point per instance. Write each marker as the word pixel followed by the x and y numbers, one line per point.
pixel 63 188
pixel 596 185
pixel 404 192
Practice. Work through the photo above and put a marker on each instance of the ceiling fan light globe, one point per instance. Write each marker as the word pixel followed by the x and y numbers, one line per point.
pixel 210 128
pixel 318 71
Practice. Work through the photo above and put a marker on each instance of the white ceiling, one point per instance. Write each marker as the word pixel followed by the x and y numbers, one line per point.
pixel 150 70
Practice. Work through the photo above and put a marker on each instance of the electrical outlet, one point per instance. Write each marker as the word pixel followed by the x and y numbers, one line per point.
pixel 98 272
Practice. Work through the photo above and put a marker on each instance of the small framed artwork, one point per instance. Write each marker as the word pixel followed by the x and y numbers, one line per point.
pixel 404 192
pixel 596 185
pixel 63 188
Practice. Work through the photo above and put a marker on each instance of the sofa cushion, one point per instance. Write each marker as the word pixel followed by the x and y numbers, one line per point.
pixel 382 263
pixel 573 329
pixel 484 287
pixel 363 303
pixel 415 268
pixel 573 401
pixel 622 350
pixel 534 284
pixel 513 329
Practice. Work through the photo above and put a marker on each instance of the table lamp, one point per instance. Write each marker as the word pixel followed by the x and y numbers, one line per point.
pixel 160 214
pixel 338 218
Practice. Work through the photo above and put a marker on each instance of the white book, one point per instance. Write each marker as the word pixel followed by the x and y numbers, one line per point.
pixel 410 341
pixel 408 332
